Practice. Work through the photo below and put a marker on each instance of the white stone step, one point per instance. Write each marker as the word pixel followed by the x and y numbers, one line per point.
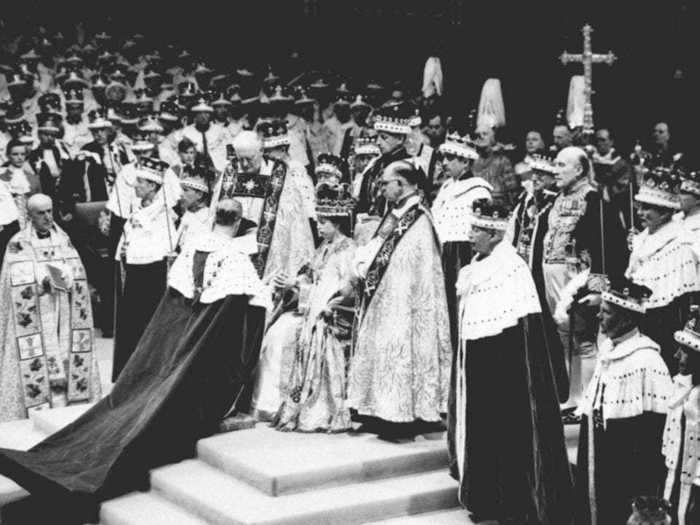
pixel 18 435
pixel 457 516
pixel 287 462
pixel 145 508
pixel 49 421
pixel 223 500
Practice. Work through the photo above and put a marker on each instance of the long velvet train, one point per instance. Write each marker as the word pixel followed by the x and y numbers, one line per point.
pixel 192 362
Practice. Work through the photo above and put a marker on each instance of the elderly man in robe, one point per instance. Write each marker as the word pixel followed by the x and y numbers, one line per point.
pixel 46 356
pixel 271 200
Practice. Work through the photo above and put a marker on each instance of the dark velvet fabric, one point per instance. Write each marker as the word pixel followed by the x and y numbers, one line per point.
pixel 661 323
pixel 628 463
pixel 6 233
pixel 144 285
pixel 515 460
pixel 192 362
pixel 455 256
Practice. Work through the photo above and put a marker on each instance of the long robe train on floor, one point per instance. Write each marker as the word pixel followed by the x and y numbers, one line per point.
pixel 191 363
pixel 520 434
pixel 144 285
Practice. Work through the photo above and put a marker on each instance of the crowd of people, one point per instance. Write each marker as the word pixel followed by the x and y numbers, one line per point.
pixel 331 257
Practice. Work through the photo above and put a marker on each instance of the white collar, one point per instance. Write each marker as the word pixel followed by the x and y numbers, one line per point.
pixel 410 202
pixel 627 347
pixel 646 244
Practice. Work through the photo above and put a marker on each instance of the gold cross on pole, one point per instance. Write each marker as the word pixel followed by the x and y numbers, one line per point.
pixel 588 58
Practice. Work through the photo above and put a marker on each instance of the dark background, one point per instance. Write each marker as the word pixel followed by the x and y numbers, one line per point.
pixel 655 77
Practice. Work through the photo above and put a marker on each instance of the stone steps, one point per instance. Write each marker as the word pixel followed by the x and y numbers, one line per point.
pixel 147 508
pixel 442 517
pixel 221 499
pixel 280 463
pixel 262 476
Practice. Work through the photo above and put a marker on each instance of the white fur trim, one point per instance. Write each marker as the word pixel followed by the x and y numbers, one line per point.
pixel 495 293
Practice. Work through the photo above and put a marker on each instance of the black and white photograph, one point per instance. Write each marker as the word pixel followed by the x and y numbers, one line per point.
pixel 344 262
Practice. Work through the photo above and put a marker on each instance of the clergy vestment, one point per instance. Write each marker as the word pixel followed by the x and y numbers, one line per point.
pixel 401 365
pixel 47 356
pixel 624 410
pixel 506 439
pixel 272 200
pixel 188 371
pixel 665 263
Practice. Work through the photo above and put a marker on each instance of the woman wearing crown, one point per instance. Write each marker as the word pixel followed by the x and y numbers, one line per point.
pixel 315 395
pixel 662 260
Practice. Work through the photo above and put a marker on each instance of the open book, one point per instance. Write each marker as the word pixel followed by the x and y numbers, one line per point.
pixel 57 277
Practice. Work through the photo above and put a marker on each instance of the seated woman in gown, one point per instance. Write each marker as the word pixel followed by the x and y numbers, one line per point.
pixel 301 381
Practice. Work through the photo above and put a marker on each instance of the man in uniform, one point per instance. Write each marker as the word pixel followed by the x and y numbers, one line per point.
pixel 577 243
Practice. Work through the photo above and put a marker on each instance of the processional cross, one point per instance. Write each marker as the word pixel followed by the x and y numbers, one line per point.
pixel 588 58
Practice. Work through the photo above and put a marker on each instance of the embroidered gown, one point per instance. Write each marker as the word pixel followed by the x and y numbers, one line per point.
pixel 47 356
pixel 316 388
pixel 624 409
pixel 400 368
